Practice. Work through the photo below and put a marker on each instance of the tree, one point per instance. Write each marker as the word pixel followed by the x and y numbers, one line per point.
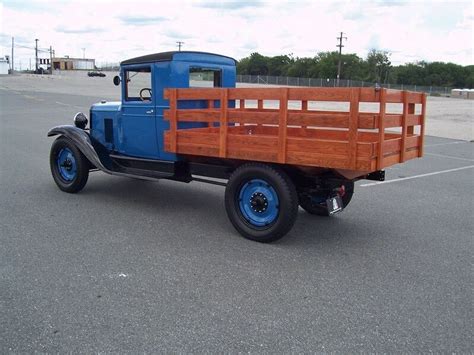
pixel 378 65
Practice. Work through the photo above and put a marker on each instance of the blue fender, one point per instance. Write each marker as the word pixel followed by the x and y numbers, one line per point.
pixel 82 140
pixel 95 152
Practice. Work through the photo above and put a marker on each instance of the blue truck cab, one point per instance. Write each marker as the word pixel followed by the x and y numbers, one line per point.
pixel 134 127
pixel 126 138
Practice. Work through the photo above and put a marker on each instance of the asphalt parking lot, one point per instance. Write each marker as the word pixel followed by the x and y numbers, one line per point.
pixel 128 265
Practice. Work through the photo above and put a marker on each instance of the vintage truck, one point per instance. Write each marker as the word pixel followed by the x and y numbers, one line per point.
pixel 273 148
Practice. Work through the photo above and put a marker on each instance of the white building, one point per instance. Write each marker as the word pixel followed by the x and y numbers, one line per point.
pixel 4 66
pixel 463 93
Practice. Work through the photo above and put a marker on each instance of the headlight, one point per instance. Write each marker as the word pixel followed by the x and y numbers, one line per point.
pixel 80 120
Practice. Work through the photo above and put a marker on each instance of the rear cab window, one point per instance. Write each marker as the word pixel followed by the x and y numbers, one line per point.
pixel 205 78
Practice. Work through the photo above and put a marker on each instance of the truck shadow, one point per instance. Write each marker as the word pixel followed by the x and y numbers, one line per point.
pixel 194 202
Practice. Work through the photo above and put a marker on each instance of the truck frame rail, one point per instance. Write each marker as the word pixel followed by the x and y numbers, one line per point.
pixel 364 129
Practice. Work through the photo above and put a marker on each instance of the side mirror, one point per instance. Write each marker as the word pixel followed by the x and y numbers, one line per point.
pixel 117 80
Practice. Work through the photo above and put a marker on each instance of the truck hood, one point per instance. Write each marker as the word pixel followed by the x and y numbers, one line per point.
pixel 109 106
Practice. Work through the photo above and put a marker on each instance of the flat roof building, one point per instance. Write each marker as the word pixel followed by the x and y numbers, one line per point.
pixel 67 63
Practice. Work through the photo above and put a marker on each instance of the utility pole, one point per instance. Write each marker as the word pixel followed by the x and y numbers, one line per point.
pixel 36 54
pixel 13 50
pixel 51 59
pixel 340 45
pixel 179 45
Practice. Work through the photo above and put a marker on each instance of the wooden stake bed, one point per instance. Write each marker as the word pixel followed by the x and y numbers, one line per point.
pixel 287 126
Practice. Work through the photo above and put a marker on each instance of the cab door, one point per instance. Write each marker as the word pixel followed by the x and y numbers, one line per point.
pixel 138 119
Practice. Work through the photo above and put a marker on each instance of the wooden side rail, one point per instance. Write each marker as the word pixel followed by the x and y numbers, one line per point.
pixel 351 139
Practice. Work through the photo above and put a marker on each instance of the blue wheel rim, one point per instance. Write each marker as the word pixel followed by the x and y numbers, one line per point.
pixel 66 163
pixel 258 203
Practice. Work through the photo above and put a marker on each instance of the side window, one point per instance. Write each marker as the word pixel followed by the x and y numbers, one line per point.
pixel 205 78
pixel 138 84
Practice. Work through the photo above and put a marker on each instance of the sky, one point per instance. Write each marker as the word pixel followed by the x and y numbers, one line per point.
pixel 112 31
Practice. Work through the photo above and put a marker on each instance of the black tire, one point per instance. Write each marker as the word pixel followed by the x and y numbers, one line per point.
pixel 78 179
pixel 285 207
pixel 320 209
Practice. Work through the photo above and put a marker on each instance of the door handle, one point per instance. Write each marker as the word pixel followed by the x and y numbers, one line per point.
pixel 151 111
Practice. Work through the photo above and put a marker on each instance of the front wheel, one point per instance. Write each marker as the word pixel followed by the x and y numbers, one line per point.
pixel 69 167
pixel 261 202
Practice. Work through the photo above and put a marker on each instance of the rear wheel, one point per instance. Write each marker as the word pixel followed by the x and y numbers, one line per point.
pixel 315 203
pixel 261 202
pixel 69 167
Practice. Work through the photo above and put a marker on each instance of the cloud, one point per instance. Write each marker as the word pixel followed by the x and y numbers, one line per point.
pixel 141 20
pixel 230 5
pixel 173 34
pixel 28 6
pixel 78 30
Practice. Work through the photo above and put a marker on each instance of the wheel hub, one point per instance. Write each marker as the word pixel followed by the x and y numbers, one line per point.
pixel 258 202
pixel 67 164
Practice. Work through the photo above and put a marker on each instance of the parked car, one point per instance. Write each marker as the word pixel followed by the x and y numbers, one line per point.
pixel 96 73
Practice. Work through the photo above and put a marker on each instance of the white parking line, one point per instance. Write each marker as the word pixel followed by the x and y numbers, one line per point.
pixel 447 143
pixel 449 157
pixel 417 176
pixel 60 103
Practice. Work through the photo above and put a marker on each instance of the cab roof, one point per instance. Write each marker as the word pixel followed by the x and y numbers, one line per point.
pixel 176 55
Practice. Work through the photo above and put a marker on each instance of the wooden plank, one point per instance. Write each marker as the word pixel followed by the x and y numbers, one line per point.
pixel 312 145
pixel 391 159
pixel 195 115
pixel 412 154
pixel 353 127
pixel 393 96
pixel 381 130
pixel 391 146
pixel 393 120
pixel 304 108
pixel 210 105
pixel 254 142
pixel 250 154
pixel 319 94
pixel 422 128
pixel 197 149
pixel 188 136
pixel 413 142
pixel 316 119
pixel 304 105
pixel 254 94
pixel 173 119
pixel 369 95
pixel 237 116
pixel 223 124
pixel 414 97
pixel 411 112
pixel 368 120
pixel 334 162
pixel 404 126
pixel 282 125
pixel 198 94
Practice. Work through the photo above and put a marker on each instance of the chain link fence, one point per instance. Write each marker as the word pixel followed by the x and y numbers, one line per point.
pixel 314 82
